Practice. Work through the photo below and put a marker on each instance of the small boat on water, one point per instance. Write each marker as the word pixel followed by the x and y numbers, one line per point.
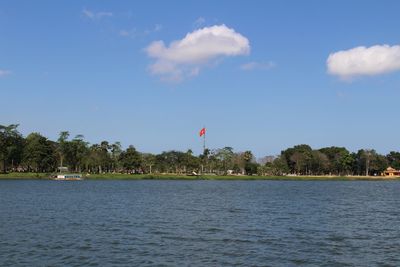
pixel 63 176
pixel 68 177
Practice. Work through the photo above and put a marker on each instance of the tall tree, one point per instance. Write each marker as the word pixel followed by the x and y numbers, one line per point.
pixel 149 160
pixel 250 167
pixel 319 162
pixel 78 153
pixel 298 158
pixel 38 153
pixel 11 144
pixel 225 155
pixel 63 146
pixel 131 159
pixel 280 166
pixel 116 151
pixel 366 160
pixel 340 159
pixel 204 158
pixel 393 159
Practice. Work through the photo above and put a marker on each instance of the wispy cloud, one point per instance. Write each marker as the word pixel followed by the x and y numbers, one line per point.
pixel 128 33
pixel 184 58
pixel 199 22
pixel 4 73
pixel 133 33
pixel 257 66
pixel 364 61
pixel 96 15
pixel 156 28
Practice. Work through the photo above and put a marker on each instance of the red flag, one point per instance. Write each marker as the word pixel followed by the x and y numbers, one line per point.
pixel 202 132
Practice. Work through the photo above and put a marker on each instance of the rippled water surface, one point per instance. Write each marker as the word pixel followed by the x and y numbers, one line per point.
pixel 199 223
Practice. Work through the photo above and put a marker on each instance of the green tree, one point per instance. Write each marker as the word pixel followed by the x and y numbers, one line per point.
pixel 204 159
pixel 369 162
pixel 190 162
pixel 116 151
pixel 99 159
pixel 149 160
pixel 250 168
pixel 38 153
pixel 225 156
pixel 340 159
pixel 298 158
pixel 319 162
pixel 393 159
pixel 280 166
pixel 78 153
pixel 11 145
pixel 93 161
pixel 131 159
pixel 63 146
pixel 378 164
pixel 247 156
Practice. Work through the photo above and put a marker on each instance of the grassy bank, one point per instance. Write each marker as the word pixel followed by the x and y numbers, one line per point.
pixel 24 175
pixel 118 176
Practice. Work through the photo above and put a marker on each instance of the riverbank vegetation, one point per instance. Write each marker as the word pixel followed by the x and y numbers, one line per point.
pixel 125 176
pixel 37 154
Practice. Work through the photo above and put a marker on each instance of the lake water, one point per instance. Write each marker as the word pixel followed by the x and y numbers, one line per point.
pixel 199 223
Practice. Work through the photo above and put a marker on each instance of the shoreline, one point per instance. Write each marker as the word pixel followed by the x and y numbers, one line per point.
pixel 114 176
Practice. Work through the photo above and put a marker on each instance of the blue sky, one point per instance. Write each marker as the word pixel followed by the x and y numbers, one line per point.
pixel 256 73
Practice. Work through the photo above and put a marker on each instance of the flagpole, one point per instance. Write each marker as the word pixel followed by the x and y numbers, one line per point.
pixel 204 140
pixel 204 149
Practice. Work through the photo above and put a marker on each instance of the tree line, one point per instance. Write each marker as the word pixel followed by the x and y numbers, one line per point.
pixel 36 153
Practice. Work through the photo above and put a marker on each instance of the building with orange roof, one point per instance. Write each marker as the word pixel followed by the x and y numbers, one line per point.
pixel 391 172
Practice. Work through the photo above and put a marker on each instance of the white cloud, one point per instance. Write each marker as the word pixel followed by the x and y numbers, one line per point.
pixel 360 61
pixel 257 65
pixel 95 15
pixel 4 73
pixel 184 58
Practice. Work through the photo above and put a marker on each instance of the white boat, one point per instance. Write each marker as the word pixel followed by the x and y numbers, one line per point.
pixel 68 177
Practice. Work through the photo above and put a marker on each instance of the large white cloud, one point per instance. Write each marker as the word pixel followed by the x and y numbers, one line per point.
pixel 363 60
pixel 185 57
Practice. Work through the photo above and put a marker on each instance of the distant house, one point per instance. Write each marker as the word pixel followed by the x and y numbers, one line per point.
pixel 391 172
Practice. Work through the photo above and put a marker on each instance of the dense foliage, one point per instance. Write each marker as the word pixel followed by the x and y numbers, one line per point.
pixel 39 154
